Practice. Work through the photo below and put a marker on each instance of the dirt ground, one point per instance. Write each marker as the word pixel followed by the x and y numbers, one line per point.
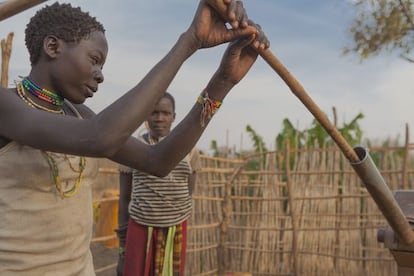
pixel 104 259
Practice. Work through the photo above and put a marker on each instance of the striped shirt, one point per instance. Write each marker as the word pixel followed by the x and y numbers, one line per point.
pixel 161 201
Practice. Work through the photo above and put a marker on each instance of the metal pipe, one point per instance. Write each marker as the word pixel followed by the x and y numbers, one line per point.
pixel 382 195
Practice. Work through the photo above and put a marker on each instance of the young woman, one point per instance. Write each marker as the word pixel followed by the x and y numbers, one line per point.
pixel 48 136
pixel 153 211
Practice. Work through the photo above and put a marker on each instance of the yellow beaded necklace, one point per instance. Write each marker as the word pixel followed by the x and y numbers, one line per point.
pixel 55 173
pixel 50 160
pixel 22 94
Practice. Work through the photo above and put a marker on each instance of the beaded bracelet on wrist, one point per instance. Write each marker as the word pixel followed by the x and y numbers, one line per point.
pixel 209 107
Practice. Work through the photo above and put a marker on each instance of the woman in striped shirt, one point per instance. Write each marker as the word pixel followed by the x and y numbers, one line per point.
pixel 155 209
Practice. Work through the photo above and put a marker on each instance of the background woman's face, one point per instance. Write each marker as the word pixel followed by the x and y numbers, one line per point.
pixel 161 118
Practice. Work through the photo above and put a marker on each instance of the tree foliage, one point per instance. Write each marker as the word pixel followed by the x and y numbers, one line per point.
pixel 382 25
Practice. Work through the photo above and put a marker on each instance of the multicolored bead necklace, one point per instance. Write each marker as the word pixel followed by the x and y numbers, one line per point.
pixel 21 91
pixel 41 93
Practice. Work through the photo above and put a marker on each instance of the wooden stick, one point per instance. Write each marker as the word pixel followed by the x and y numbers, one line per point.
pixel 299 91
pixel 12 7
pixel 6 50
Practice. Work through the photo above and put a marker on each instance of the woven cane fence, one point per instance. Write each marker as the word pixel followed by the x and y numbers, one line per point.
pixel 297 212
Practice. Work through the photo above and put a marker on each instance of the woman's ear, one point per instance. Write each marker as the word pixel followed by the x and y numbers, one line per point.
pixel 174 117
pixel 51 46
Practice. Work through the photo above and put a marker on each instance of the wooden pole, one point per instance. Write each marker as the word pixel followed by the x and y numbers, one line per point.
pixel 293 211
pixel 227 213
pixel 404 183
pixel 12 7
pixel 6 49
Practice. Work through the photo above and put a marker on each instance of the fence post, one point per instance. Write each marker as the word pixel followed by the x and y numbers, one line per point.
pixel 291 199
pixel 404 185
pixel 227 210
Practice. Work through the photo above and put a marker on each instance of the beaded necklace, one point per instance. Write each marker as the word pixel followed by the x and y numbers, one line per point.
pixel 55 173
pixel 42 93
pixel 21 91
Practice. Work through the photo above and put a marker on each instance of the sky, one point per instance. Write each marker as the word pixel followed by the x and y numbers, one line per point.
pixel 308 37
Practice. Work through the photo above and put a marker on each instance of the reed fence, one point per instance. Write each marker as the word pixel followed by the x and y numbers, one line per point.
pixel 296 212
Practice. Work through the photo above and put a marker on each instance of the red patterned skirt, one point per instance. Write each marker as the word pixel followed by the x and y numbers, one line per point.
pixel 150 250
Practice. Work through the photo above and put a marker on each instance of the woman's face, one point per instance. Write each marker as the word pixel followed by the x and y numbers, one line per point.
pixel 77 69
pixel 161 118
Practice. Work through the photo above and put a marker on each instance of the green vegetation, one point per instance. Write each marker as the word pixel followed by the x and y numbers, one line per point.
pixel 314 135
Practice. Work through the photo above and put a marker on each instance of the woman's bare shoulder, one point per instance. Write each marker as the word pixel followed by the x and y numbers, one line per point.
pixel 84 111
